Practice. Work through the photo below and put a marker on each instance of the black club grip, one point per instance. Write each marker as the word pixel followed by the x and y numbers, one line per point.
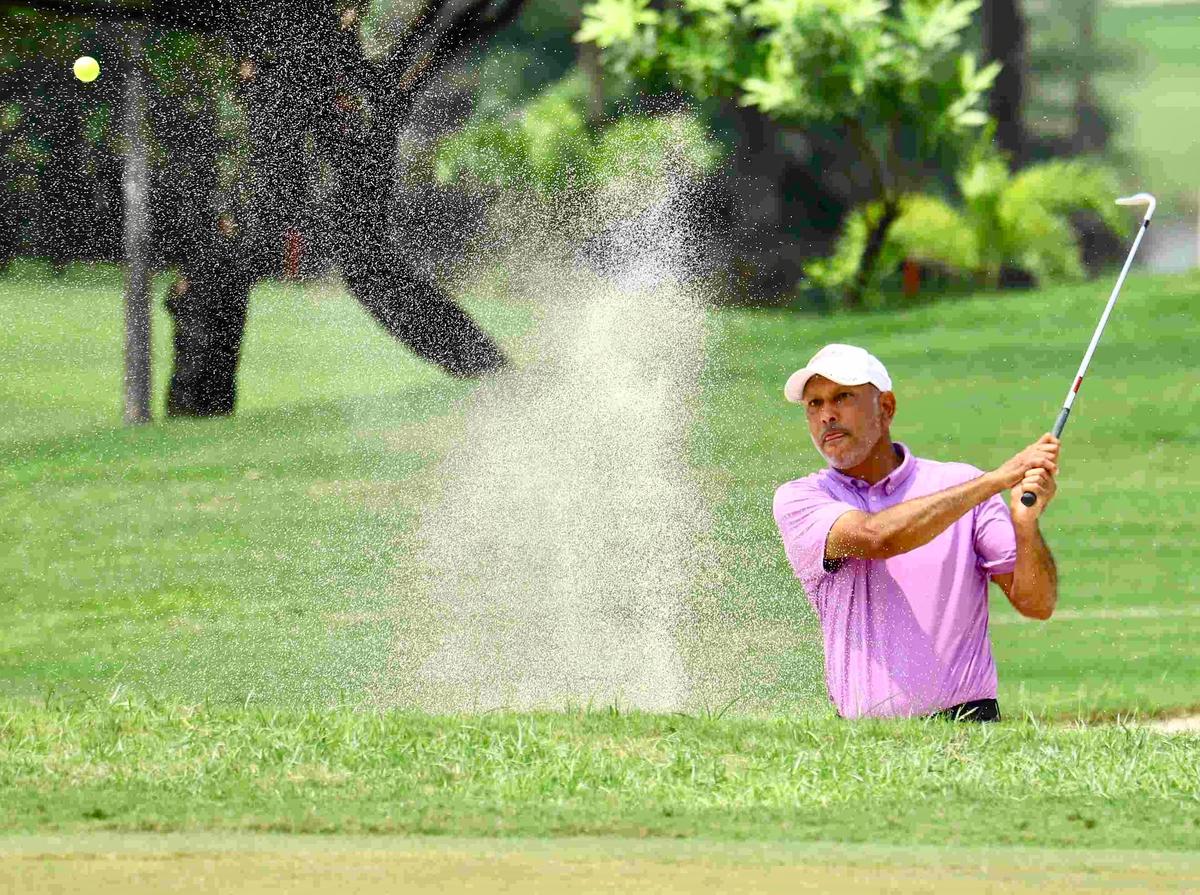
pixel 1029 498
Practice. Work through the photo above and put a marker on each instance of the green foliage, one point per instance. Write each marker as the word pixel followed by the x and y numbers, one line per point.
pixel 1020 221
pixel 648 147
pixel 1030 218
pixel 548 146
pixel 927 230
pixel 804 61
pixel 611 23
pixel 930 230
pixel 543 143
pixel 836 272
pixel 891 77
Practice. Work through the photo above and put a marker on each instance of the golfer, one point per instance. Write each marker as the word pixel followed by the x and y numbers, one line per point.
pixel 895 551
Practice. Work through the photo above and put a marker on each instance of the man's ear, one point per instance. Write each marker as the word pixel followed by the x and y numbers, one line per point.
pixel 887 403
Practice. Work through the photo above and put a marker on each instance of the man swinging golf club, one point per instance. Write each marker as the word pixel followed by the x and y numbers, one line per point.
pixel 895 551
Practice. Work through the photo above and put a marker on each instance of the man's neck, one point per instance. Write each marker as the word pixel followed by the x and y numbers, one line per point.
pixel 883 459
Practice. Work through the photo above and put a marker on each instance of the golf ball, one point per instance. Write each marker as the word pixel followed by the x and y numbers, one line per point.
pixel 86 69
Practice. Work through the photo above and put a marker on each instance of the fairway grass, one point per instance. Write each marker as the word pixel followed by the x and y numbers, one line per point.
pixel 254 863
pixel 269 557
pixel 200 617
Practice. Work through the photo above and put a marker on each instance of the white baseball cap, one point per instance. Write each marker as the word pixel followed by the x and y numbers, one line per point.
pixel 843 364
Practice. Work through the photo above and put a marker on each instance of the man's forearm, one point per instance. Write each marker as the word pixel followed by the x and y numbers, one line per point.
pixel 1035 578
pixel 915 522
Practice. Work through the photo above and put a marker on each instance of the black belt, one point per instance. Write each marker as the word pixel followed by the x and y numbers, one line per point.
pixel 981 710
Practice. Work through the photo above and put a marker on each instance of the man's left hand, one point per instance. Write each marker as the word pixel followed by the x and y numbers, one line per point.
pixel 1042 483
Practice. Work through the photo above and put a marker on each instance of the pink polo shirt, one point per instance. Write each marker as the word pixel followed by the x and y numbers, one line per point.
pixel 907 635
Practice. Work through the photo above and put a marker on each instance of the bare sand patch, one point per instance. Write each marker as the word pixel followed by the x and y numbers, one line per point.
pixel 1182 724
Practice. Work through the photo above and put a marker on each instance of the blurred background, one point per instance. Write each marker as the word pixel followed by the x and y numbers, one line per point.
pixel 1112 82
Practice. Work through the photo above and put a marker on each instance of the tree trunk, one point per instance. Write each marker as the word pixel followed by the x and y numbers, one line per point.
pixel 136 183
pixel 217 269
pixel 1092 130
pixel 592 68
pixel 1004 41
pixel 876 237
pixel 209 312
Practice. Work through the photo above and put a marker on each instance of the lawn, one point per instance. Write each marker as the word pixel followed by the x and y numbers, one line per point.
pixel 199 614
pixel 256 557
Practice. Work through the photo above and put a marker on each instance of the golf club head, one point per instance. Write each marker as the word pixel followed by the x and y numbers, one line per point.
pixel 1140 199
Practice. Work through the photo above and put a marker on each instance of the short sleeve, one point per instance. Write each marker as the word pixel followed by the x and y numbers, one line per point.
pixel 995 538
pixel 804 513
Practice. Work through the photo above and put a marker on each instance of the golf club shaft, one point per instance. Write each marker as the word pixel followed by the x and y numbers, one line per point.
pixel 1029 498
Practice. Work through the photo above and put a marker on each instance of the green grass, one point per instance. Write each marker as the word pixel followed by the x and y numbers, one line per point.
pixel 1156 103
pixel 199 614
pixel 265 557
pixel 212 557
pixel 135 765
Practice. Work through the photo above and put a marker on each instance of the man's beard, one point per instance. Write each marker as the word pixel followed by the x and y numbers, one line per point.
pixel 857 455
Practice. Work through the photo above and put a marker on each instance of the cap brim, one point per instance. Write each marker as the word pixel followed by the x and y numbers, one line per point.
pixel 793 389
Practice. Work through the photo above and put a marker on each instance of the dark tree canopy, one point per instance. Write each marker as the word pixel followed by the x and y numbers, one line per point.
pixel 313 153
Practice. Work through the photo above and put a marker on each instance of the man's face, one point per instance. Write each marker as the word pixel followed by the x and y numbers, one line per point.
pixel 845 421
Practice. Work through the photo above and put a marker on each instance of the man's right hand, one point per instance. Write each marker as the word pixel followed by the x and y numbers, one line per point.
pixel 1042 454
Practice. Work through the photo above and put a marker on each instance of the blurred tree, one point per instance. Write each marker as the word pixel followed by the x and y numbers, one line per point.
pixel 322 99
pixel 60 168
pixel 1066 57
pixel 1004 42
pixel 775 200
pixel 892 81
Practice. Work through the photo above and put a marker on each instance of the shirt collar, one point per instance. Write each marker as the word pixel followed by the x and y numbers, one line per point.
pixel 888 483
